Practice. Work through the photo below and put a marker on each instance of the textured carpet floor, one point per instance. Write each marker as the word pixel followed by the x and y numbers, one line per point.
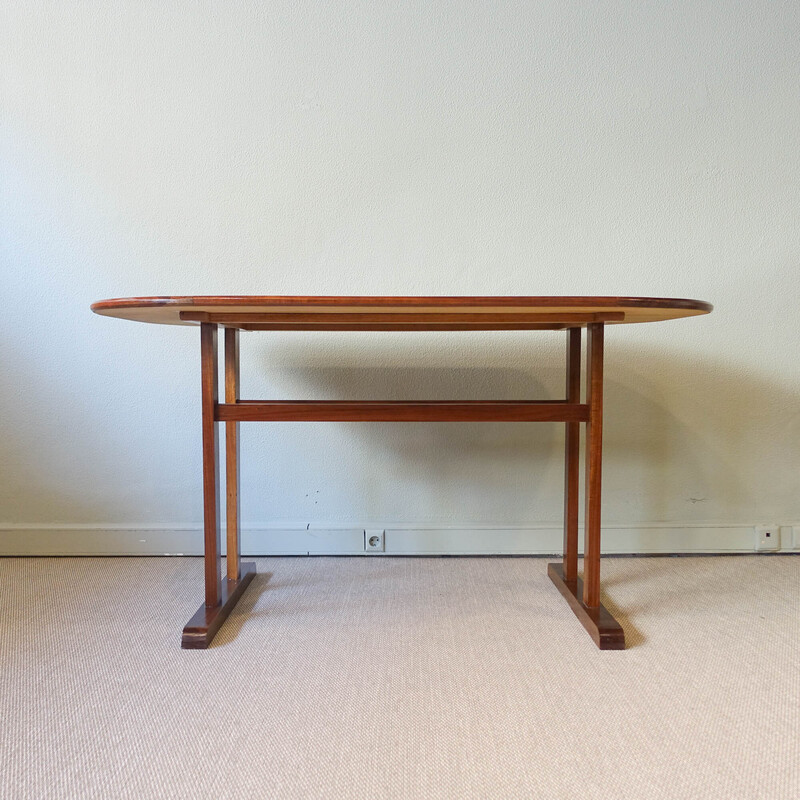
pixel 400 678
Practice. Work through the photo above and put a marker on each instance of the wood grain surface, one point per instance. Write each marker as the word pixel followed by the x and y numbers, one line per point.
pixel 398 313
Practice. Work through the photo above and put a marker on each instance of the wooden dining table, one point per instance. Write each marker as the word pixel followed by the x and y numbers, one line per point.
pixel 331 314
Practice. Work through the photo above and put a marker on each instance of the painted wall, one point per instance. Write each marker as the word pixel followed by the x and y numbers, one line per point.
pixel 631 148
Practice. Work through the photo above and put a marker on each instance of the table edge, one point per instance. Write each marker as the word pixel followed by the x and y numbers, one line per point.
pixel 555 302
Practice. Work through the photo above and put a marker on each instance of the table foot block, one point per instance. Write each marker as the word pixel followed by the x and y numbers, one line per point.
pixel 603 628
pixel 203 626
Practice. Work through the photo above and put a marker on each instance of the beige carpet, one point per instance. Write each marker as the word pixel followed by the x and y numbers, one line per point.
pixel 400 678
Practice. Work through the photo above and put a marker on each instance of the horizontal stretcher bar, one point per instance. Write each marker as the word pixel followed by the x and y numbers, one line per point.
pixel 400 321
pixel 402 411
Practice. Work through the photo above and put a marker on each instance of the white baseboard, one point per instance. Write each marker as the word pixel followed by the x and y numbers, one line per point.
pixel 400 539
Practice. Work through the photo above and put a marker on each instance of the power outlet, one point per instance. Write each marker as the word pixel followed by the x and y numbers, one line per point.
pixel 374 541
pixel 768 537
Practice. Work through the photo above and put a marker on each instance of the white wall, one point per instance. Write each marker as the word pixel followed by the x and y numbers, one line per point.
pixel 629 148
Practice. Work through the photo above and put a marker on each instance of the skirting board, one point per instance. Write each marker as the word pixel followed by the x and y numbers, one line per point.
pixel 400 539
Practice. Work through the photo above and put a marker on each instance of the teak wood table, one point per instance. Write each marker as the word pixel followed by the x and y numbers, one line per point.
pixel 570 314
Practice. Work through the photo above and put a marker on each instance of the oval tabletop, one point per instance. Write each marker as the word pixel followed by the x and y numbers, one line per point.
pixel 282 312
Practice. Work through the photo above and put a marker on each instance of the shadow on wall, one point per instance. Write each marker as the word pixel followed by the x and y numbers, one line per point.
pixel 430 470
pixel 684 440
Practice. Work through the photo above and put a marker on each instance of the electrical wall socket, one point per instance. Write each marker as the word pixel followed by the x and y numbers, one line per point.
pixel 374 541
pixel 768 537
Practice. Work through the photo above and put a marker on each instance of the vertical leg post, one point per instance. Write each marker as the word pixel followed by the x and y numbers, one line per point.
pixel 232 455
pixel 583 596
pixel 210 398
pixel 221 594
pixel 594 455
pixel 572 457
